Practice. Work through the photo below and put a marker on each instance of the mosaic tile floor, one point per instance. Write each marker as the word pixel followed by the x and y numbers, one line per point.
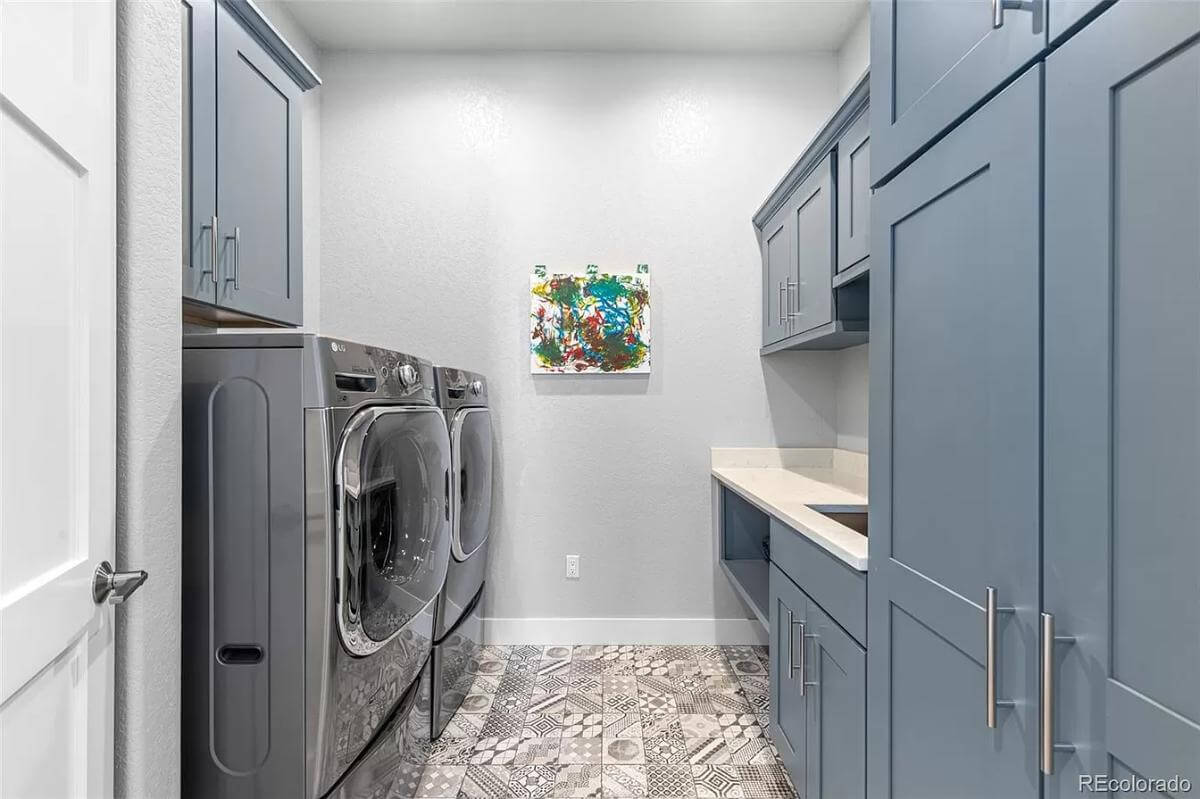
pixel 611 721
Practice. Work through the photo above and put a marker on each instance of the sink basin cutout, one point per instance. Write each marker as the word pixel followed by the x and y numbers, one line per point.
pixel 852 516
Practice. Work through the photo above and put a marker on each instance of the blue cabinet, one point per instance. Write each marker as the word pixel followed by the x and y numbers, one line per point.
pixel 932 62
pixel 1122 397
pixel 836 695
pixel 789 709
pixel 814 225
pixel 818 669
pixel 242 85
pixel 955 434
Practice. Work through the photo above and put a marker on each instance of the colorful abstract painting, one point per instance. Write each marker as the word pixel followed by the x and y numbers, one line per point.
pixel 593 323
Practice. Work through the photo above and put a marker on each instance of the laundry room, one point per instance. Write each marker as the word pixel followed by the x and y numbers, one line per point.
pixel 472 399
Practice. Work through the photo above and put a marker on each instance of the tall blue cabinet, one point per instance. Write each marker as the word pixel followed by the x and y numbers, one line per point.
pixel 1034 606
pixel 954 479
pixel 1121 525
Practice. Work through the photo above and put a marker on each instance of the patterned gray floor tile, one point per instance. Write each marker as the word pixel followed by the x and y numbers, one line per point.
pixel 694 702
pixel 477 703
pixel 440 782
pixel 622 725
pixel 741 725
pixel 584 703
pixel 581 750
pixel 511 702
pixel 532 782
pixel 702 751
pixel 557 653
pixel 624 781
pixel 764 782
pixel 503 725
pixel 486 782
pixel 700 725
pixel 547 704
pixel 494 751
pixel 537 752
pixel 717 782
pixel 750 751
pixel 654 725
pixel 582 725
pixel 578 780
pixel 668 748
pixel 624 751
pixel 672 781
pixel 540 725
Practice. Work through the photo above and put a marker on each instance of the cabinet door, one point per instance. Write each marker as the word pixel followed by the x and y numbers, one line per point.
pixel 1066 13
pixel 854 193
pixel 955 393
pixel 789 715
pixel 837 710
pixel 1122 394
pixel 932 61
pixel 810 288
pixel 258 183
pixel 777 244
pixel 199 106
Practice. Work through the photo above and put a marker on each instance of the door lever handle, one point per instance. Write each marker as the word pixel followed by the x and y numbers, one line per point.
pixel 114 586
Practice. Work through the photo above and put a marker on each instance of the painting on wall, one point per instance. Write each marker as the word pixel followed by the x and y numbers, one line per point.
pixel 594 323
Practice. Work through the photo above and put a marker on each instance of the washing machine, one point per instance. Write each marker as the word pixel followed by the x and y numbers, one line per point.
pixel 463 397
pixel 316 539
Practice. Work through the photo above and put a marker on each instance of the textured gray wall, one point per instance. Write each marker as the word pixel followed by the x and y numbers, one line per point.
pixel 149 236
pixel 445 178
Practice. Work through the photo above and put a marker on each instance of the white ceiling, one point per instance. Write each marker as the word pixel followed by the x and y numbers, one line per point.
pixel 760 26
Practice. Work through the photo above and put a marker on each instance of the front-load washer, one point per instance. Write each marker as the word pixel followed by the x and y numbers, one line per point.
pixel 316 537
pixel 457 625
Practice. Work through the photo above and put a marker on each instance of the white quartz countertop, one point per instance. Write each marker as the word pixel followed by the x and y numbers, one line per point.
pixel 785 482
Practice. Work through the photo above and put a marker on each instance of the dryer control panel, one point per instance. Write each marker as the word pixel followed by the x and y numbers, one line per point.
pixel 355 372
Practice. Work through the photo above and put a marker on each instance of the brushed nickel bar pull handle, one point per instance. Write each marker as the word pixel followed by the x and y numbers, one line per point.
pixel 807 683
pixel 236 238
pixel 1049 747
pixel 791 647
pixel 991 612
pixel 803 636
pixel 212 243
pixel 791 284
pixel 782 304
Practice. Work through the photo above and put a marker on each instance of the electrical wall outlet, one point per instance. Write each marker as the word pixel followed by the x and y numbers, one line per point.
pixel 572 567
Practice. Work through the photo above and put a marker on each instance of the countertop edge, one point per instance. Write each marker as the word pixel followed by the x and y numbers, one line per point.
pixel 851 559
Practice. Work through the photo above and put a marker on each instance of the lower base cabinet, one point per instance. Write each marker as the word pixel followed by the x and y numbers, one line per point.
pixel 818 696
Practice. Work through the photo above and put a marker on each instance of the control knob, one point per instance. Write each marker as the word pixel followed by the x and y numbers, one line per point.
pixel 406 375
pixel 476 388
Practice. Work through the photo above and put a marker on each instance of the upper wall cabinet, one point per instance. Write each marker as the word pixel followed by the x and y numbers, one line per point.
pixel 242 88
pixel 931 63
pixel 813 233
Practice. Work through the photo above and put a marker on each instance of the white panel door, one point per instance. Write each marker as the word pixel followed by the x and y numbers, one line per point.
pixel 57 396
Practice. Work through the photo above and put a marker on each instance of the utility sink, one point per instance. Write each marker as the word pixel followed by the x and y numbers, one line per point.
pixel 852 516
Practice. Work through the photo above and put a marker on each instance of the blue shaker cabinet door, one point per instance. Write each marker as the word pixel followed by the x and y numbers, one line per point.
pixel 1122 395
pixel 854 193
pixel 933 60
pixel 778 244
pixel 789 714
pixel 955 330
pixel 199 168
pixel 258 178
pixel 837 711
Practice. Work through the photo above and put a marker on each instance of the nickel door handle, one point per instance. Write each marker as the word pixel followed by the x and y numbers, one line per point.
pixel 782 304
pixel 236 238
pixel 212 243
pixel 114 586
pixel 1048 746
pixel 804 681
pixel 991 611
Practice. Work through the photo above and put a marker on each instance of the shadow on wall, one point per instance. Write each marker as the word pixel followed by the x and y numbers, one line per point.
pixel 554 385
pixel 802 397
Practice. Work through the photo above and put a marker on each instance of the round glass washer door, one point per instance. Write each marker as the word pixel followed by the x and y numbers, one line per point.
pixel 471 495
pixel 393 475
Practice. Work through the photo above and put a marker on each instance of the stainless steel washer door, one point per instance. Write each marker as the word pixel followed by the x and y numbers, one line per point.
pixel 471 495
pixel 393 474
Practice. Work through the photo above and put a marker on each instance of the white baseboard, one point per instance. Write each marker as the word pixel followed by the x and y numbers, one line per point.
pixel 567 631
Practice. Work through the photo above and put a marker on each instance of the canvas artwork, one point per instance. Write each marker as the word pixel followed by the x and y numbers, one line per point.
pixel 597 323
